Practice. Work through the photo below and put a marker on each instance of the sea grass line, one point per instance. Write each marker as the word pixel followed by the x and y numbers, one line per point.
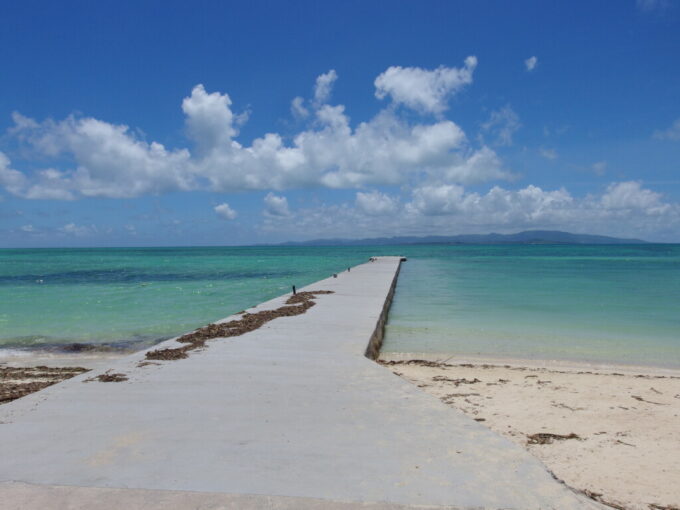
pixel 249 322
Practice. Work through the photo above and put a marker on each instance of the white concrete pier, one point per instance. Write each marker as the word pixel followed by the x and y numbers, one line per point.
pixel 291 415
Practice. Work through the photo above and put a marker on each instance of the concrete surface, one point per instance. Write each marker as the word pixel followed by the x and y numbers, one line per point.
pixel 290 414
pixel 18 495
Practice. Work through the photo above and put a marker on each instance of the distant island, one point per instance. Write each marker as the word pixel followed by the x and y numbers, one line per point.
pixel 525 237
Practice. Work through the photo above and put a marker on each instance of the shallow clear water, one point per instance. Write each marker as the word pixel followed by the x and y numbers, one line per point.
pixel 138 296
pixel 618 304
pixel 583 303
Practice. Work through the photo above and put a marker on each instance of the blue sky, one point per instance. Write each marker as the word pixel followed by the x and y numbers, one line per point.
pixel 177 123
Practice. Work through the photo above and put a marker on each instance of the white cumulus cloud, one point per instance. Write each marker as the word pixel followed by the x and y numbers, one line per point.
pixel 622 207
pixel 625 209
pixel 479 166
pixel 548 153
pixel 531 63
pixel 224 211
pixel 13 180
pixel 47 184
pixel 110 160
pixel 375 203
pixel 437 200
pixel 210 121
pixel 631 196
pixel 77 230
pixel 276 205
pixel 424 90
pixel 502 124
pixel 672 133
pixel 324 86
pixel 297 108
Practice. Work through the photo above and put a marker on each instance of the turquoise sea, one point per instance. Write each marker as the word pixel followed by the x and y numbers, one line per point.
pixel 134 297
pixel 618 304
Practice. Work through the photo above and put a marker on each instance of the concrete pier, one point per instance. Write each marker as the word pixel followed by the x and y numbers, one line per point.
pixel 290 415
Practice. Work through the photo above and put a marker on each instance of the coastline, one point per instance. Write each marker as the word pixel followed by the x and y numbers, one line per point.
pixel 301 411
pixel 609 431
pixel 518 362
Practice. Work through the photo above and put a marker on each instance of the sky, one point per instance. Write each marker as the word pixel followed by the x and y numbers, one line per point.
pixel 165 123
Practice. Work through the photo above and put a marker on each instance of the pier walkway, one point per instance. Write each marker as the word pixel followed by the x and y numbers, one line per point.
pixel 289 416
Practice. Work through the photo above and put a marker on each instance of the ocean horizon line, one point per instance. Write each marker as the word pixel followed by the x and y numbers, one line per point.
pixel 524 237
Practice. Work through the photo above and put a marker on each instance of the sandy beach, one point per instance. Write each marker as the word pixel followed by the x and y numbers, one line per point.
pixel 611 432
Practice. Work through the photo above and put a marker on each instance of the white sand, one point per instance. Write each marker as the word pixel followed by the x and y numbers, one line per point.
pixel 627 419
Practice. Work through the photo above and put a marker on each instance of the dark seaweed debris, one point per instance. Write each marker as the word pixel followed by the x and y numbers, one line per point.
pixel 421 362
pixel 547 438
pixel 11 392
pixel 46 376
pixel 108 377
pixel 295 305
pixel 456 382
pixel 596 496
pixel 636 397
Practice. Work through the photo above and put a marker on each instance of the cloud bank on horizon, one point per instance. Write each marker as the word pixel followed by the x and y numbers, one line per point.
pixel 410 168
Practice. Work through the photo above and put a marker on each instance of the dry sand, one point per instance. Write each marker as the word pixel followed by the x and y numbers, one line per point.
pixel 622 425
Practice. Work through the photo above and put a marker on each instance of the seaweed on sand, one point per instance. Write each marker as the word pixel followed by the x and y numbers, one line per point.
pixel 547 438
pixel 108 377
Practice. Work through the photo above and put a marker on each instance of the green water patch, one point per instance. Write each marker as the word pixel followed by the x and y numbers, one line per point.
pixel 139 296
pixel 602 304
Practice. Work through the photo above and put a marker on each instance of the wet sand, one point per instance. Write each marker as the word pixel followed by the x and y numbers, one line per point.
pixel 611 432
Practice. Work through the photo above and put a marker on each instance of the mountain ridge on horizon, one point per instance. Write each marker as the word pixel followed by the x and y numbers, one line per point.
pixel 523 237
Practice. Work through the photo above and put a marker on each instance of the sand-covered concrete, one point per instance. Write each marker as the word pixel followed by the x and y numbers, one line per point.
pixel 612 432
